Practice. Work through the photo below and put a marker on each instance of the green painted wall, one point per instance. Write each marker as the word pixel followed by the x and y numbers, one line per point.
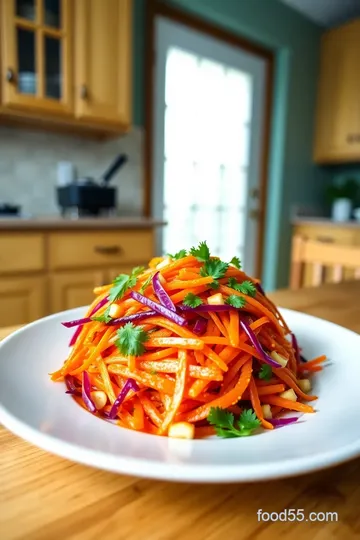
pixel 293 178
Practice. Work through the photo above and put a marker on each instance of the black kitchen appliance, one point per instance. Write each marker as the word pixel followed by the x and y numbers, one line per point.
pixel 9 210
pixel 86 197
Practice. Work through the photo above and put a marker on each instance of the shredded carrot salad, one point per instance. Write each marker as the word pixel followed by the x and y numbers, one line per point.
pixel 189 347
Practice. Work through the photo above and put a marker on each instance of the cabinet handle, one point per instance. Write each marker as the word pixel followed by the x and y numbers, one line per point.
pixel 84 92
pixel 10 75
pixel 324 239
pixel 108 250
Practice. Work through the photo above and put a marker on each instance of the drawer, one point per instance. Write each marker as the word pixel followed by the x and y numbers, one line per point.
pixel 99 248
pixel 331 233
pixel 21 252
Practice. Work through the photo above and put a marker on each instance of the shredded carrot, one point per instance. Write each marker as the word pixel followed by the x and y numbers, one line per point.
pixel 181 375
pixel 178 392
pixel 254 396
pixel 287 404
pixel 284 376
pixel 307 366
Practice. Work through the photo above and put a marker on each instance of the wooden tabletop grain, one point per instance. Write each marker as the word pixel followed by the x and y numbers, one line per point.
pixel 44 497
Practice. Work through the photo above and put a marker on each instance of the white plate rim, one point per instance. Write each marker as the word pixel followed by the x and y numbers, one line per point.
pixel 189 473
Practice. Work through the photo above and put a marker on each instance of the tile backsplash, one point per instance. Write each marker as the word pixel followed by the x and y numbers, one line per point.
pixel 28 167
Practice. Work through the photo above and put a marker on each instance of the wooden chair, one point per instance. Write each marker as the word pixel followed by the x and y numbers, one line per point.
pixel 321 255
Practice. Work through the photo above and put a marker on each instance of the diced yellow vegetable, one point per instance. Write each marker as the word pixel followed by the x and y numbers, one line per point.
pixel 216 299
pixel 182 430
pixel 99 398
pixel 304 384
pixel 289 394
pixel 114 311
pixel 278 358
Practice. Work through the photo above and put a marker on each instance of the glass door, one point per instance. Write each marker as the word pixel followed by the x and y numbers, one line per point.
pixel 209 116
pixel 36 68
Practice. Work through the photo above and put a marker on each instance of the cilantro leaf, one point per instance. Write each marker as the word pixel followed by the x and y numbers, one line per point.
pixel 137 270
pixel 232 283
pixel 248 421
pixel 146 284
pixel 192 300
pixel 123 282
pixel 179 255
pixel 265 372
pixel 104 317
pixel 131 340
pixel 214 285
pixel 224 422
pixel 214 268
pixel 202 252
pixel 236 301
pixel 246 287
pixel 235 261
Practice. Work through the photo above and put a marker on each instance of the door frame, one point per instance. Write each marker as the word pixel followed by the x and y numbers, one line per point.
pixel 155 8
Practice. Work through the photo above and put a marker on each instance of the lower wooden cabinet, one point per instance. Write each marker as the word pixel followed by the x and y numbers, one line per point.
pixel 74 289
pixel 58 270
pixel 22 300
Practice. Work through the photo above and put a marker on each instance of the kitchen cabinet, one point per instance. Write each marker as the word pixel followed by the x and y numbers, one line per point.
pixel 36 55
pixel 22 300
pixel 66 65
pixel 73 289
pixel 102 57
pixel 339 234
pixel 337 130
pixel 50 269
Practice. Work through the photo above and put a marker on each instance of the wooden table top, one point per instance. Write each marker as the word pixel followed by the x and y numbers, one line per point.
pixel 44 497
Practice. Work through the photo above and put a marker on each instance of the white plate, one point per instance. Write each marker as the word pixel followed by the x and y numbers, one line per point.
pixel 38 410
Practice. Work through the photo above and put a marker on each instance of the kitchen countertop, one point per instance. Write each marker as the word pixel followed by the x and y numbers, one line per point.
pixel 308 220
pixel 44 496
pixel 59 223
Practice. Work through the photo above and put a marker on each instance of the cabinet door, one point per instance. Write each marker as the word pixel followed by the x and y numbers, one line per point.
pixel 338 106
pixel 22 300
pixel 36 66
pixel 113 272
pixel 74 289
pixel 103 60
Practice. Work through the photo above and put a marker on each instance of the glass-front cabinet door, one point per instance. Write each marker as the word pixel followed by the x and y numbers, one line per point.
pixel 36 41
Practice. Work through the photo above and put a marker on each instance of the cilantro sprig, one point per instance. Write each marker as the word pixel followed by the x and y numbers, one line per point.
pixel 227 427
pixel 191 300
pixel 104 317
pixel 131 340
pixel 235 261
pixel 245 287
pixel 236 301
pixel 202 252
pixel 179 255
pixel 123 282
pixel 265 372
pixel 214 268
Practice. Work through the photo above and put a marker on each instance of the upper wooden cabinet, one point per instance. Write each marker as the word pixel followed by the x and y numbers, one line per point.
pixel 36 55
pixel 102 56
pixel 337 135
pixel 67 63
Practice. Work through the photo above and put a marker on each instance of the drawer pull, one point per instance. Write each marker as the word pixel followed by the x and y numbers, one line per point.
pixel 324 239
pixel 108 250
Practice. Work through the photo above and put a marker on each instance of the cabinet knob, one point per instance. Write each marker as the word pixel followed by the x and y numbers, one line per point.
pixel 108 250
pixel 84 94
pixel 10 75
